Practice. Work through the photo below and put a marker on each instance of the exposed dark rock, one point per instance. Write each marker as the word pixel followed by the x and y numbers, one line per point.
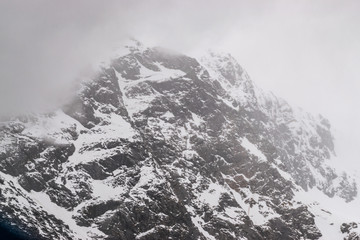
pixel 347 227
pixel 32 181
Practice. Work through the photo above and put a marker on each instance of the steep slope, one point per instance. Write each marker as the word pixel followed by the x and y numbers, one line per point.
pixel 160 145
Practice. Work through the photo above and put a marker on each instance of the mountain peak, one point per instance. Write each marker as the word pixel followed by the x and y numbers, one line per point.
pixel 134 45
pixel 224 64
pixel 159 145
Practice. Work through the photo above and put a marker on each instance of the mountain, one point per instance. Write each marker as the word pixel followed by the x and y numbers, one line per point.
pixel 160 145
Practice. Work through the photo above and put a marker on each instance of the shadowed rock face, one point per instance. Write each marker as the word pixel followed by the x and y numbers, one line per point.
pixel 162 146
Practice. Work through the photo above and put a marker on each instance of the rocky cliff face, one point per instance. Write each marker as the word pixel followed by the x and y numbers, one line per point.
pixel 160 145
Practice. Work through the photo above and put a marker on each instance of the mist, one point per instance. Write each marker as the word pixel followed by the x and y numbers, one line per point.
pixel 307 52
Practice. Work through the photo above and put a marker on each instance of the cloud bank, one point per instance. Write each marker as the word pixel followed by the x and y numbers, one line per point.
pixel 308 52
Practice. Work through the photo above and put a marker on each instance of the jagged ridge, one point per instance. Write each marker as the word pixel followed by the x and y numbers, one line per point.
pixel 161 145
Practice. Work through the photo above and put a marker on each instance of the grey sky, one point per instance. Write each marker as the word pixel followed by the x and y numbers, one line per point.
pixel 307 52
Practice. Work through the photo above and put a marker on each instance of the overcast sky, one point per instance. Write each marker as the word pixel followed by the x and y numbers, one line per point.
pixel 307 52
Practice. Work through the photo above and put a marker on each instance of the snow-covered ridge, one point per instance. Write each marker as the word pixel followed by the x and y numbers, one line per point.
pixel 161 145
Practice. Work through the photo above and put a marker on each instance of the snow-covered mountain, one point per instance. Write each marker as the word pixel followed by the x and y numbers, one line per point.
pixel 160 145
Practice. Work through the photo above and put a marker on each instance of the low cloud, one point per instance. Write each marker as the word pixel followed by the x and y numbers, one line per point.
pixel 306 51
pixel 46 45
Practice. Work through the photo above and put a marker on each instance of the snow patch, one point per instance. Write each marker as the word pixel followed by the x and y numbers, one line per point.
pixel 199 222
pixel 329 213
pixel 66 216
pixel 212 195
pixel 103 191
pixel 253 149
pixel 197 120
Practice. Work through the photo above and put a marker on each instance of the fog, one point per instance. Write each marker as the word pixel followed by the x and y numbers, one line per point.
pixel 307 52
